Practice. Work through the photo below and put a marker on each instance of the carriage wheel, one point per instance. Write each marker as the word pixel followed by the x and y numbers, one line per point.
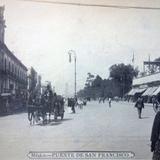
pixel 55 116
pixel 31 118
pixel 62 115
pixel 44 119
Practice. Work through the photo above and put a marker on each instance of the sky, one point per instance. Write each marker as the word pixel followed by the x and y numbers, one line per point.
pixel 41 34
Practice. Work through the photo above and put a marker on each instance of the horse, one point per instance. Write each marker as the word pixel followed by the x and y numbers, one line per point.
pixel 47 104
pixel 40 106
pixel 58 106
pixel 72 103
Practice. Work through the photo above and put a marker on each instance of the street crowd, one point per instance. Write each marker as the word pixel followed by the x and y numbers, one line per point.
pixel 155 133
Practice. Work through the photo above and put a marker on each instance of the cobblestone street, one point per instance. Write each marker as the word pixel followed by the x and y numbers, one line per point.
pixel 97 127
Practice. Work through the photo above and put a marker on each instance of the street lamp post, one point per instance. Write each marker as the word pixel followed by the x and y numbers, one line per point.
pixel 72 52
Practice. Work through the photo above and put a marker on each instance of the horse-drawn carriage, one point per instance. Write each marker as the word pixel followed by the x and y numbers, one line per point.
pixel 59 107
pixel 41 108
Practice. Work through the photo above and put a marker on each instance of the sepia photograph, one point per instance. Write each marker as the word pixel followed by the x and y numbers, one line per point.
pixel 79 79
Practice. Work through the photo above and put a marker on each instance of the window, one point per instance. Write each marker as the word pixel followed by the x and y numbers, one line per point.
pixel 5 64
pixel 2 64
pixel 12 68
pixel 0 60
pixel 9 66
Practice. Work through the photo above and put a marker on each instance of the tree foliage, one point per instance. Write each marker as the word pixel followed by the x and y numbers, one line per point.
pixel 122 76
pixel 90 78
pixel 118 83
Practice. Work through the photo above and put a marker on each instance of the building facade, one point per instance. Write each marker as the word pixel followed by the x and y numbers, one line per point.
pixel 147 86
pixel 13 73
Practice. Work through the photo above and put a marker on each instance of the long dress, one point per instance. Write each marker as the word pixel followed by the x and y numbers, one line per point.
pixel 155 137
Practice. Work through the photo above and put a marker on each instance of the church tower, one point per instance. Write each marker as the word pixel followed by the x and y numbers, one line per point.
pixel 2 24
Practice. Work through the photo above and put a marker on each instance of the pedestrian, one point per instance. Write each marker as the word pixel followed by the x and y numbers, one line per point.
pixel 104 99
pixel 109 101
pixel 155 137
pixel 139 105
pixel 73 103
pixel 100 99
pixel 155 103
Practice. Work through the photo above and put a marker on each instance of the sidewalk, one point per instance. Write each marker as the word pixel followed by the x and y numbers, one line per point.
pixel 133 103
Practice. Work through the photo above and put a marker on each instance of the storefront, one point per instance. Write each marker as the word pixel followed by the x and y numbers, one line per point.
pixel 146 87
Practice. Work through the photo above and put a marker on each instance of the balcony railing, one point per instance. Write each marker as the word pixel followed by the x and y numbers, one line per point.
pixel 14 75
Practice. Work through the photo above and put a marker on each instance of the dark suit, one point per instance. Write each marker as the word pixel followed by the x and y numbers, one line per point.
pixel 139 105
pixel 155 131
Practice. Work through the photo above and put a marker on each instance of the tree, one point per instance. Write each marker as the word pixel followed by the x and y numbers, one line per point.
pixel 89 80
pixel 88 89
pixel 122 76
pixel 119 82
pixel 97 86
pixel 97 81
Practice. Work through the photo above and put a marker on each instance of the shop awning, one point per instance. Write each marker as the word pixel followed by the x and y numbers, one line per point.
pixel 156 91
pixel 149 91
pixel 146 79
pixel 131 92
pixel 146 93
pixel 136 90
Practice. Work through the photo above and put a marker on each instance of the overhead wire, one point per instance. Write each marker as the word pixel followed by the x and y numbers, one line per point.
pixel 95 5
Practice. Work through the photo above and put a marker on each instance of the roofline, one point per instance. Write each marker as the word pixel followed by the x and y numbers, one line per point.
pixel 147 75
pixel 13 56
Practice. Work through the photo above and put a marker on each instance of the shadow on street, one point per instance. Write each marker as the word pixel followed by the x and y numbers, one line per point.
pixel 52 122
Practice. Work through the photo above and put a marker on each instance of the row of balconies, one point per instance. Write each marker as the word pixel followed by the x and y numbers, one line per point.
pixel 11 69
pixel 14 74
pixel 5 90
